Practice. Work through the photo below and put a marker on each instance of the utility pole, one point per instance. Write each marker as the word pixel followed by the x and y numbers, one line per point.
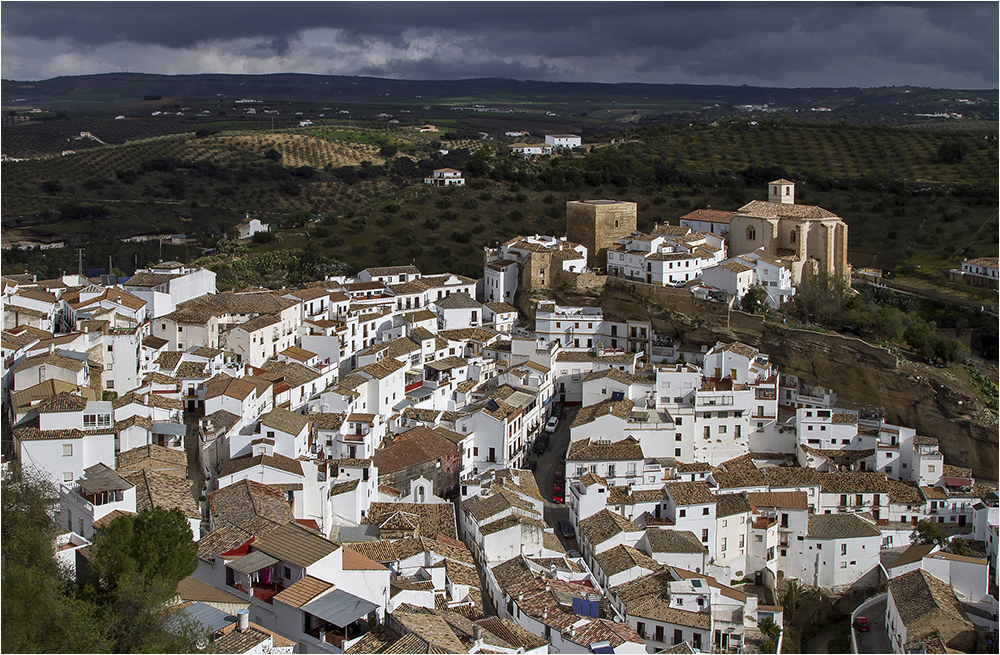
pixel 79 252
pixel 109 267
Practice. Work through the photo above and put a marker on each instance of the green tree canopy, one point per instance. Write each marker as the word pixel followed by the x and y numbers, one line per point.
pixel 154 545
pixel 928 532
pixel 754 300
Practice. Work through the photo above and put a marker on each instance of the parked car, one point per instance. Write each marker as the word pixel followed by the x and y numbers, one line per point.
pixel 557 493
pixel 573 554
pixel 541 443
pixel 861 624
pixel 559 476
pixel 550 427
pixel 567 529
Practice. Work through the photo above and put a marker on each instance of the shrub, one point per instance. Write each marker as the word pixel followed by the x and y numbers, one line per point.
pixel 51 186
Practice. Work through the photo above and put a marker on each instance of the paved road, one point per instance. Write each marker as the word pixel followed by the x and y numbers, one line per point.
pixel 548 463
pixel 876 640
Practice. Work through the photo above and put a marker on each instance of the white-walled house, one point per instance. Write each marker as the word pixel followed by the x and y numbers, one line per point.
pixel 72 435
pixel 99 492
pixel 445 177
pixel 838 551
pixel 923 615
pixel 563 140
pixel 250 227
pixel 166 285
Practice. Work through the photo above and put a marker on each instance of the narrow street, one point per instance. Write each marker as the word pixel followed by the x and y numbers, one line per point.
pixel 876 640
pixel 548 463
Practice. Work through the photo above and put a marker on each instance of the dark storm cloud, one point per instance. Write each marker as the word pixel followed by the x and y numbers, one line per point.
pixel 786 44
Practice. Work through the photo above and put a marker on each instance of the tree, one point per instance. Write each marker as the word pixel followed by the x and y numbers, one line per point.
pixel 299 218
pixel 770 630
pixel 959 547
pixel 272 155
pixel 952 151
pixel 39 613
pixel 928 532
pixel 791 598
pixel 135 563
pixel 755 300
pixel 155 545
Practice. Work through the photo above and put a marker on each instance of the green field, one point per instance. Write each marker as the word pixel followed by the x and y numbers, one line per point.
pixel 908 209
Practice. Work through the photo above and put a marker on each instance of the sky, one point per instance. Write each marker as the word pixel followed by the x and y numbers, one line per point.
pixel 796 44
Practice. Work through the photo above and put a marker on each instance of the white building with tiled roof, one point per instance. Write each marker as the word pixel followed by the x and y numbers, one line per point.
pixel 166 285
pixel 665 260
pixel 983 271
pixel 445 177
pixel 707 220
pixel 533 259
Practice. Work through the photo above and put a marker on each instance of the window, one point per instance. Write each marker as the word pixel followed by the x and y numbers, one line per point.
pixel 930 469
pixel 67 450
pixel 67 476
pixel 843 549
pixel 682 513
pixel 677 452
pixel 704 535
pixel 758 538
pixel 741 541
pixel 640 627
pixel 723 544
pixel 751 233
pixel 843 565
pixel 704 511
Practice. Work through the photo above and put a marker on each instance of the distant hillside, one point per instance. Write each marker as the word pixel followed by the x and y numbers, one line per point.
pixel 121 89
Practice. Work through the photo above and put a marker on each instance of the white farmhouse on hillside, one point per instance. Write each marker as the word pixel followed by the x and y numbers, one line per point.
pixel 445 177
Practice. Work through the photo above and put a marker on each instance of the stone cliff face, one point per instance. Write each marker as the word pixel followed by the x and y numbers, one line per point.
pixel 933 401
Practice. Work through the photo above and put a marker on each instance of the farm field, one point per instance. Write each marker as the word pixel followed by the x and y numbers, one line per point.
pixel 910 210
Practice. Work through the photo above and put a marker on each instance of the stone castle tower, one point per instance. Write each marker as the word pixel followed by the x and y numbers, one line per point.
pixel 598 224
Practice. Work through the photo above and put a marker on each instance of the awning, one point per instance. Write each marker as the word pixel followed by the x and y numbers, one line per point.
pixel 252 563
pixel 339 608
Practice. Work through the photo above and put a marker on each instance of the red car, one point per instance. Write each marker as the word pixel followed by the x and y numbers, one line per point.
pixel 862 624
pixel 557 493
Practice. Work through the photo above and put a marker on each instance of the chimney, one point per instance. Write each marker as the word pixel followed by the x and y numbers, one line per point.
pixel 52 348
pixel 548 587
pixel 552 570
pixel 477 632
pixel 243 620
